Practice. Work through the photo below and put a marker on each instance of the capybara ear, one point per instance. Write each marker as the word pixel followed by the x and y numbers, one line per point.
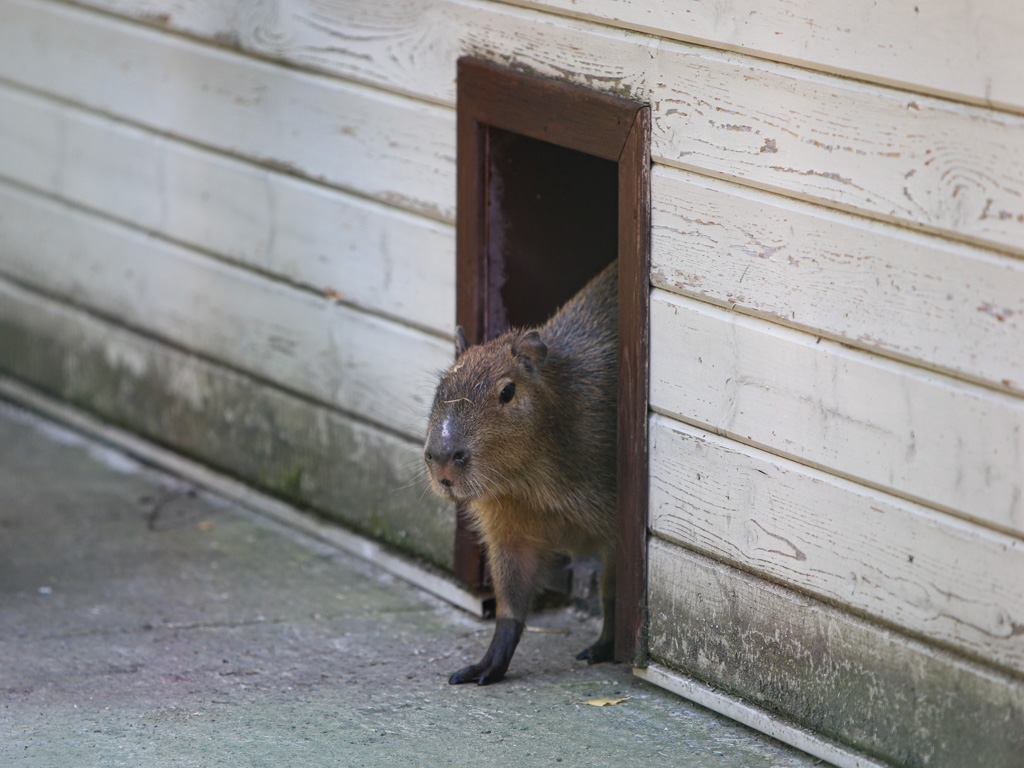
pixel 530 350
pixel 461 345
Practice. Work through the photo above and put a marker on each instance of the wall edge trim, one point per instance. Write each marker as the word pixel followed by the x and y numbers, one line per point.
pixel 755 717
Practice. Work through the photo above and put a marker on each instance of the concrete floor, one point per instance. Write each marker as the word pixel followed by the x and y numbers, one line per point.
pixel 143 623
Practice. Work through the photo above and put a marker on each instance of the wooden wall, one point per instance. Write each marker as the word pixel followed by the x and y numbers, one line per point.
pixel 255 205
pixel 205 247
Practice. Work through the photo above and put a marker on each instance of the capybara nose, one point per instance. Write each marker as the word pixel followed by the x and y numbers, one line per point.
pixel 443 450
pixel 442 458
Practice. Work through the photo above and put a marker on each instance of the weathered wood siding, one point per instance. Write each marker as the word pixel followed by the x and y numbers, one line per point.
pixel 221 200
pixel 174 212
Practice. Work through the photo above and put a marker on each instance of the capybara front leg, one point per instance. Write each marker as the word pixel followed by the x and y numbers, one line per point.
pixel 513 570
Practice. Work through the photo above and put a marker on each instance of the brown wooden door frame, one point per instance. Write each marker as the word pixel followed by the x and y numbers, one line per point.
pixel 612 128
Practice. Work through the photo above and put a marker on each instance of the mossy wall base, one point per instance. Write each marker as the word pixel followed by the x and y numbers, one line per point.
pixel 313 456
pixel 846 678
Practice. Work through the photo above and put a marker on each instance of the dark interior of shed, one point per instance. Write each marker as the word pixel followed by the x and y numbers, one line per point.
pixel 552 224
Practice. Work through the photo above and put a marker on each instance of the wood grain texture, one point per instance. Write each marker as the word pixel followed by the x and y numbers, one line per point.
pixel 348 471
pixel 580 119
pixel 634 311
pixel 847 678
pixel 929 574
pixel 272 222
pixel 898 43
pixel 885 153
pixel 362 364
pixel 902 43
pixel 396 150
pixel 874 151
pixel 951 307
pixel 926 437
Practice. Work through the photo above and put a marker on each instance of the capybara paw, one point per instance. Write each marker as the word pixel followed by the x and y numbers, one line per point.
pixel 481 674
pixel 598 652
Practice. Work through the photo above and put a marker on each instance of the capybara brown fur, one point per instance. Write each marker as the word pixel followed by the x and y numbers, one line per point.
pixel 522 433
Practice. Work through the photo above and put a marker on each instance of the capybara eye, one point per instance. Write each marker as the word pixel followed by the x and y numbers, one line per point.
pixel 507 393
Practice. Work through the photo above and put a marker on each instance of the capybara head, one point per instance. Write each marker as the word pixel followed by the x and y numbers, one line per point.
pixel 488 417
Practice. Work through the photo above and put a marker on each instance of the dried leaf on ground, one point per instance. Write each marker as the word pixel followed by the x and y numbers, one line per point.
pixel 607 702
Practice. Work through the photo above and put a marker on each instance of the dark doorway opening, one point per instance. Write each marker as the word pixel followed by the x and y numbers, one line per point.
pixel 552 224
pixel 553 185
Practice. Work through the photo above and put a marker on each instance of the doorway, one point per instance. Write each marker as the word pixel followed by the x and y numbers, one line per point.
pixel 553 185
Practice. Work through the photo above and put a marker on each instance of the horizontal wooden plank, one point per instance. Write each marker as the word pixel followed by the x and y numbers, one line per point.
pixel 901 43
pixel 313 456
pixel 886 153
pixel 924 572
pixel 917 297
pixel 879 152
pixel 896 43
pixel 360 363
pixel 396 150
pixel 927 437
pixel 373 256
pixel 849 679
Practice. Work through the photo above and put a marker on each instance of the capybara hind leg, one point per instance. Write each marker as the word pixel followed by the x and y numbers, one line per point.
pixel 604 648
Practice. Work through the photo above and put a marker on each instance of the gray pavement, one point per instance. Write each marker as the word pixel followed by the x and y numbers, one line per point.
pixel 144 623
